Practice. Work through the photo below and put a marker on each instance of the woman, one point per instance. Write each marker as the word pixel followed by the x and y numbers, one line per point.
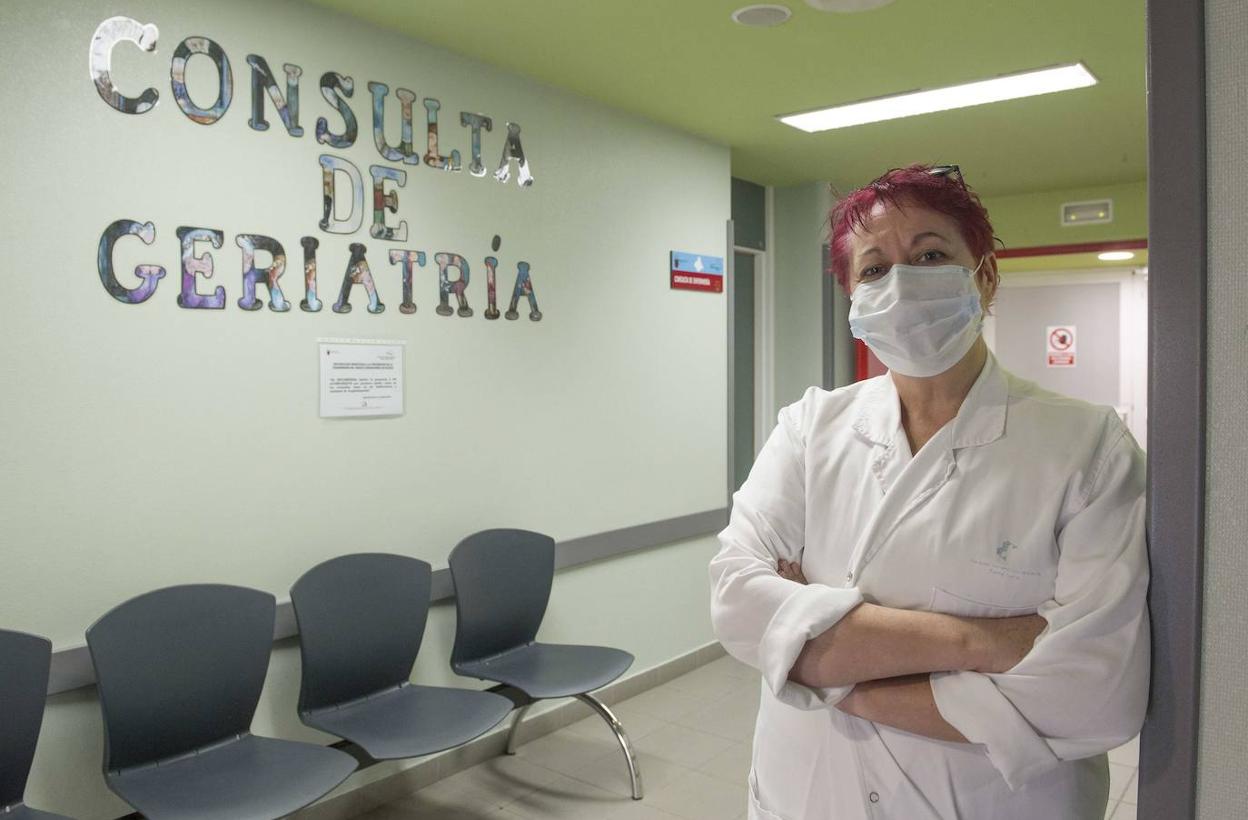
pixel 974 635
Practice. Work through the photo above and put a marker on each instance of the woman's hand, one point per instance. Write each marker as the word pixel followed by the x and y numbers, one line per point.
pixel 998 644
pixel 790 571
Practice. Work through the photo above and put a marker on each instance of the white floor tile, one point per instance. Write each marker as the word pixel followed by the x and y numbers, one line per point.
pixel 567 799
pixel 1119 777
pixel 428 808
pixel 682 745
pixel 697 796
pixel 636 810
pixel 493 783
pixel 707 683
pixel 1128 754
pixel 563 750
pixel 611 773
pixel 731 718
pixel 667 702
pixel 1131 795
pixel 731 666
pixel 1125 811
pixel 731 765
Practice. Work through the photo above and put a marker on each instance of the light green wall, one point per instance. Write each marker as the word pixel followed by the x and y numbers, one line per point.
pixel 1034 219
pixel 800 228
pixel 148 445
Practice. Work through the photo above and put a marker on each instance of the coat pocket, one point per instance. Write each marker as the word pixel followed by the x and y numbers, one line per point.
pixel 757 811
pixel 950 603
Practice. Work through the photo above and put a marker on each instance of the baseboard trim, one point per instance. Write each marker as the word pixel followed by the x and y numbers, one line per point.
pixel 429 770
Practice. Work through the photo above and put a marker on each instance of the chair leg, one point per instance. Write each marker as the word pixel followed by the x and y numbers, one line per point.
pixel 598 706
pixel 514 734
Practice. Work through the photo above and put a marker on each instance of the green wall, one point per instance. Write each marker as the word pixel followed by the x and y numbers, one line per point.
pixel 1029 220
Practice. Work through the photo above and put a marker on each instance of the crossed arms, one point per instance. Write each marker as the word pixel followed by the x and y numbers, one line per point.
pixel 886 655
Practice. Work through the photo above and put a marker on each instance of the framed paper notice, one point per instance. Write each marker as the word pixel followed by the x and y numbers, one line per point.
pixel 361 379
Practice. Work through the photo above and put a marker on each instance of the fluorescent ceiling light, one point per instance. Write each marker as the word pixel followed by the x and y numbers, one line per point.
pixel 1008 87
pixel 1115 256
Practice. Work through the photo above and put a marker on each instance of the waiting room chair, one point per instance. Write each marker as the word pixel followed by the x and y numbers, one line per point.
pixel 24 663
pixel 502 581
pixel 179 672
pixel 361 621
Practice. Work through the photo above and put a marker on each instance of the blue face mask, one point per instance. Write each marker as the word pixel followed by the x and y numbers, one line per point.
pixel 918 320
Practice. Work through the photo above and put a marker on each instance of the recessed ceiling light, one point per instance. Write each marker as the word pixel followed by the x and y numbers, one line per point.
pixel 845 6
pixel 1006 87
pixel 762 16
pixel 1115 256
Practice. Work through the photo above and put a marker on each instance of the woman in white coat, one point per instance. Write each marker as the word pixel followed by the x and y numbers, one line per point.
pixel 974 634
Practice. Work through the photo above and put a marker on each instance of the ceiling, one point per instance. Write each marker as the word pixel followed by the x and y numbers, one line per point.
pixel 686 64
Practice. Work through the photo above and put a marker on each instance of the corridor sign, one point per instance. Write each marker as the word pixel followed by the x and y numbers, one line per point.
pixel 691 271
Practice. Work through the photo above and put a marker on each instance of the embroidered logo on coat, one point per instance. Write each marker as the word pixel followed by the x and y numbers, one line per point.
pixel 1003 551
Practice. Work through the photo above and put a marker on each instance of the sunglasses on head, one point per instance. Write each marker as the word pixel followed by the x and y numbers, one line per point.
pixel 948 171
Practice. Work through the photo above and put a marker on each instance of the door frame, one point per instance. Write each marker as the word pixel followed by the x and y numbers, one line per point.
pixel 1177 260
pixel 764 340
pixel 764 325
pixel 764 356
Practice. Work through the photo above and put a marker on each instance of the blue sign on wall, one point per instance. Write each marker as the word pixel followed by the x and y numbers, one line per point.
pixel 693 271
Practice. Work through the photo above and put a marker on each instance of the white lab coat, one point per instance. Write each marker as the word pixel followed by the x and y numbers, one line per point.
pixel 1026 502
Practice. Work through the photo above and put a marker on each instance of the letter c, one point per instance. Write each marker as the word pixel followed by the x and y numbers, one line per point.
pixel 107 35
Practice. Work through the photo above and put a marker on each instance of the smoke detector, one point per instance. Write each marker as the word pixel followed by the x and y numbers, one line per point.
pixel 764 15
pixel 846 6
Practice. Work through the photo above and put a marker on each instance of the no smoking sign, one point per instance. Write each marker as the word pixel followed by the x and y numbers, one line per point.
pixel 1061 345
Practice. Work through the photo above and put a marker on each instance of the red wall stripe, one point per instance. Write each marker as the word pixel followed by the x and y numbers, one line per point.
pixel 1083 247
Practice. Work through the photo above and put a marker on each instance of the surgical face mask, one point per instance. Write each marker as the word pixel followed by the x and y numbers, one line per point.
pixel 918 320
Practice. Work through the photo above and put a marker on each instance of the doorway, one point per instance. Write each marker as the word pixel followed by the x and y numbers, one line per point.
pixel 1079 333
pixel 751 361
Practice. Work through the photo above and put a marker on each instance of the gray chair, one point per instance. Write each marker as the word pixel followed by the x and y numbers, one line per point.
pixel 502 586
pixel 24 663
pixel 361 621
pixel 179 673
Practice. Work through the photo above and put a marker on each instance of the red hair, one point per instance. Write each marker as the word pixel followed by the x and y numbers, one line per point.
pixel 913 185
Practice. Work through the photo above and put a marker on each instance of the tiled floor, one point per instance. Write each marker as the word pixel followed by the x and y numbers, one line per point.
pixel 1124 764
pixel 692 737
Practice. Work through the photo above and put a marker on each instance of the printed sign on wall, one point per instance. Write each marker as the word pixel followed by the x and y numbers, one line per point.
pixel 1060 340
pixel 691 271
pixel 361 379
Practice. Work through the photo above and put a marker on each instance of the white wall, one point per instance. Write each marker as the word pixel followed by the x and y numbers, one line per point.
pixel 1024 314
pixel 147 444
pixel 1222 790
pixel 1110 312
